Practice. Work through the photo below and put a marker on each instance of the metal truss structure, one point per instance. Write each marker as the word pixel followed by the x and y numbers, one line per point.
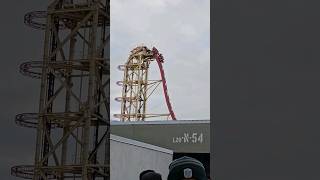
pixel 137 87
pixel 73 120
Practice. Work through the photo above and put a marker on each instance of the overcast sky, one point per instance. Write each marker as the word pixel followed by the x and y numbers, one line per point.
pixel 179 29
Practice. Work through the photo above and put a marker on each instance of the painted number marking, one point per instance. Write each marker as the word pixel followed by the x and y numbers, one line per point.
pixel 188 138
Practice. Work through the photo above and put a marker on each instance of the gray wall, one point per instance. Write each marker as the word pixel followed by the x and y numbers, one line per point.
pixel 128 158
pixel 180 136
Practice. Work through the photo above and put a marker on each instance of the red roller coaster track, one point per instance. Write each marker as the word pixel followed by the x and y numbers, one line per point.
pixel 159 58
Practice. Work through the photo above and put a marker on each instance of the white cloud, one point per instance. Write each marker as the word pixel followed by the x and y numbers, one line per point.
pixel 180 30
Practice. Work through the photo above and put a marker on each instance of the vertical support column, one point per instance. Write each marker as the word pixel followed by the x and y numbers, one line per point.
pixel 132 92
pixel 91 92
pixel 66 127
pixel 43 91
pixel 124 92
pixel 138 90
pixel 145 86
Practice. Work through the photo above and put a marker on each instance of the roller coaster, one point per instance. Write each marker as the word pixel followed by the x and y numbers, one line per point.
pixel 137 88
pixel 72 123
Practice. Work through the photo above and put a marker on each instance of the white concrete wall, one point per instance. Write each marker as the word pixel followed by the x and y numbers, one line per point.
pixel 128 158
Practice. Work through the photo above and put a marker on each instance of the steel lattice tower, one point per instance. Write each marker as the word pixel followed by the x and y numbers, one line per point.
pixel 73 120
pixel 137 87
